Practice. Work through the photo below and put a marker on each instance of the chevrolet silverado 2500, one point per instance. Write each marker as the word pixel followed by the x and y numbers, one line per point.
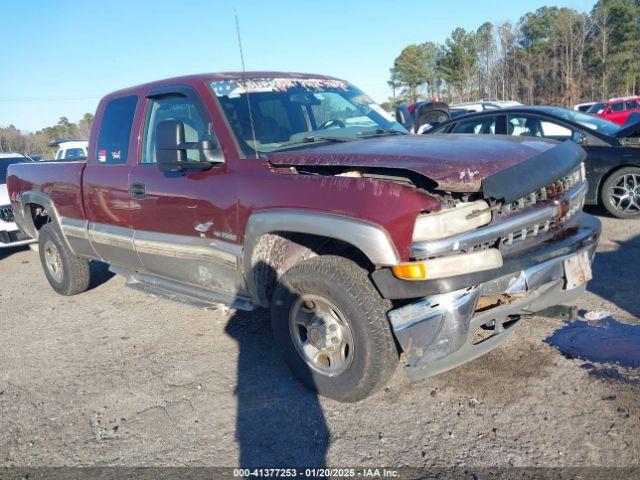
pixel 298 193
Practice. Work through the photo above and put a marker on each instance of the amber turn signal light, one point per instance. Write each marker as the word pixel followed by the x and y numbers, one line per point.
pixel 410 271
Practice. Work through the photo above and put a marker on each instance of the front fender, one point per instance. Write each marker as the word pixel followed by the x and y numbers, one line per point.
pixel 370 239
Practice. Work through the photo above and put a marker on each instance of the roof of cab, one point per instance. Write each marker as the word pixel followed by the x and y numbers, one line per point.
pixel 213 77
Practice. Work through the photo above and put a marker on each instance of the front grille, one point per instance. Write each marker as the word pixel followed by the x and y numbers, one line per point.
pixel 550 192
pixel 523 224
pixel 543 227
pixel 6 214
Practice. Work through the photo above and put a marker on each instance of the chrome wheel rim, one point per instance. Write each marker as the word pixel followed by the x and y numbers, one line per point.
pixel 624 194
pixel 321 335
pixel 53 261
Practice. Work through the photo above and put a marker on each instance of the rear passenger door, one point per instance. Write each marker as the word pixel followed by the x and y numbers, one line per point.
pixel 105 184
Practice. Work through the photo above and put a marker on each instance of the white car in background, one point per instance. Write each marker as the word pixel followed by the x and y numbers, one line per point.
pixel 70 148
pixel 10 234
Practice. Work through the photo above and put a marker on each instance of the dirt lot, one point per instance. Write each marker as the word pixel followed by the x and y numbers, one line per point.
pixel 115 377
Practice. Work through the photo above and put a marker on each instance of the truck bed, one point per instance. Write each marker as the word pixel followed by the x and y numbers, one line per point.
pixel 60 181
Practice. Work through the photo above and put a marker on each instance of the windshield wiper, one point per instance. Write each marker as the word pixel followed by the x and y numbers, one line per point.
pixel 382 131
pixel 315 138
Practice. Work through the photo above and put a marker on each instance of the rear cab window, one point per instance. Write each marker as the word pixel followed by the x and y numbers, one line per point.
pixel 115 130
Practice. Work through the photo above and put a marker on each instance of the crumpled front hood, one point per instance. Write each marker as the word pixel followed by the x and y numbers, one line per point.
pixel 4 195
pixel 457 163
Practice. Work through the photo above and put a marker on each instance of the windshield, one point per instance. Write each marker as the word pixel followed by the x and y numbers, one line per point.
pixel 596 108
pixel 4 165
pixel 589 121
pixel 288 112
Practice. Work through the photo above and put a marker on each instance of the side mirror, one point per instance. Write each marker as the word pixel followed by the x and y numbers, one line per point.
pixel 171 149
pixel 169 139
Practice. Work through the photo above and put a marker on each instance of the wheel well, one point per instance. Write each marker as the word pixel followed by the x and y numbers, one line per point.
pixel 610 173
pixel 276 252
pixel 39 215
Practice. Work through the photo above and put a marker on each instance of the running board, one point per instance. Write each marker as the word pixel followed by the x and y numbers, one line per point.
pixel 178 292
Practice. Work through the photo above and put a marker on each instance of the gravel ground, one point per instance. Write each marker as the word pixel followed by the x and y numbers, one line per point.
pixel 114 377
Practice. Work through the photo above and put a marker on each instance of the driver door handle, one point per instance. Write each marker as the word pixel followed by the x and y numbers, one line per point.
pixel 138 190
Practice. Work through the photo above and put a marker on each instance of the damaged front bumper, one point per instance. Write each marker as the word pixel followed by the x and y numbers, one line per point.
pixel 444 330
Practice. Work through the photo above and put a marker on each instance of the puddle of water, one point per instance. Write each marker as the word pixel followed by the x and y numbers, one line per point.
pixel 602 341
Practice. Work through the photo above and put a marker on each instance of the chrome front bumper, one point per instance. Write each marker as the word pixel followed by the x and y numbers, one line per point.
pixel 438 333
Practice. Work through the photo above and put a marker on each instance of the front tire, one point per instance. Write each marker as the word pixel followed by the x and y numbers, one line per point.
pixel 331 324
pixel 620 193
pixel 67 273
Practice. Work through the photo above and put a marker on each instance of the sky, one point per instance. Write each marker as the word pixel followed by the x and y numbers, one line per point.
pixel 58 58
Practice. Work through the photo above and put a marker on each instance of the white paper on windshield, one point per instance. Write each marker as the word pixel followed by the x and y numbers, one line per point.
pixel 233 88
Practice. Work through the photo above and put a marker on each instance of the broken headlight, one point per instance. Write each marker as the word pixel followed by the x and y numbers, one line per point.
pixel 463 217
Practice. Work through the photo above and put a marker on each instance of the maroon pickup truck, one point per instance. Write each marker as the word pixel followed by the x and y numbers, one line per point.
pixel 298 193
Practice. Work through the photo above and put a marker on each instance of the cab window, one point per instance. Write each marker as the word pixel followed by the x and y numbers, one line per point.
pixel 115 130
pixel 440 129
pixel 555 131
pixel 522 126
pixel 526 126
pixel 484 125
pixel 174 107
pixel 74 153
pixel 617 107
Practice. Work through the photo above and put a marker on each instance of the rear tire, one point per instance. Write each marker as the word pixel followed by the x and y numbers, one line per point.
pixel 67 273
pixel 331 324
pixel 620 193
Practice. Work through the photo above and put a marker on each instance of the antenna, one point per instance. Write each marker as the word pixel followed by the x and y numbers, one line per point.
pixel 244 82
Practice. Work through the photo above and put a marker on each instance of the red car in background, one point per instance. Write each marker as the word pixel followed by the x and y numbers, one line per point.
pixel 616 110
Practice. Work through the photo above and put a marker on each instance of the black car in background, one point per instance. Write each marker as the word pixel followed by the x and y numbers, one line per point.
pixel 613 152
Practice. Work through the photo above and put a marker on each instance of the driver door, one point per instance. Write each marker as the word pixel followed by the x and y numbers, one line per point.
pixel 185 222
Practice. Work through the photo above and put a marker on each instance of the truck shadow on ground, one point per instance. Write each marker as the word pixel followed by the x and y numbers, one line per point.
pixel 100 274
pixel 279 421
pixel 99 271
pixel 7 252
